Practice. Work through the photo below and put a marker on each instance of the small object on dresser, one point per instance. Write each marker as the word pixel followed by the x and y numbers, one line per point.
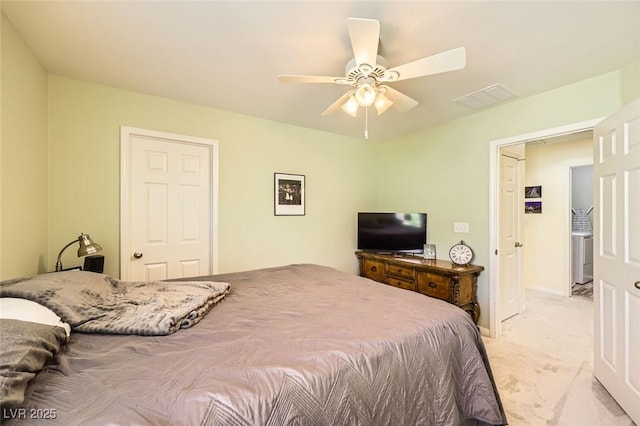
pixel 429 251
pixel 461 254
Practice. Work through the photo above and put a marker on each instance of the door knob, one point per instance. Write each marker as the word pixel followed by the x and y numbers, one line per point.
pixel 137 255
pixel 518 244
pixel 637 285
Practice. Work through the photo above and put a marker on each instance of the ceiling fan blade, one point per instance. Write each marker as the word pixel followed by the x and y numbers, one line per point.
pixel 401 102
pixel 337 104
pixel 308 79
pixel 365 35
pixel 450 60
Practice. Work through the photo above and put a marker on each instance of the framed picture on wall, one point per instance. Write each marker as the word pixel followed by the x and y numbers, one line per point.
pixel 288 194
pixel 533 207
pixel 533 191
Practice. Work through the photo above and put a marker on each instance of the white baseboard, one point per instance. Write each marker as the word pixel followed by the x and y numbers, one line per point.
pixel 484 331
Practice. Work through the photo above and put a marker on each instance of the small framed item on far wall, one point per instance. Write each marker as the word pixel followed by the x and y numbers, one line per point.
pixel 288 194
pixel 533 207
pixel 533 191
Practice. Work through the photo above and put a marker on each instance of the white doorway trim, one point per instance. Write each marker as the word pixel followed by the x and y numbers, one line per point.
pixel 495 330
pixel 126 134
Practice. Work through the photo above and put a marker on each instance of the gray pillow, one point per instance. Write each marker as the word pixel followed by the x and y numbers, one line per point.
pixel 26 348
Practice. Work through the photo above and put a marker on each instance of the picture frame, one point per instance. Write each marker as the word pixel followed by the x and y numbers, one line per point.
pixel 533 191
pixel 429 252
pixel 289 194
pixel 533 207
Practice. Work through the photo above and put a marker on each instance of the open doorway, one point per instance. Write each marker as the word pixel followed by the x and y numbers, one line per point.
pixel 582 231
pixel 550 214
pixel 541 138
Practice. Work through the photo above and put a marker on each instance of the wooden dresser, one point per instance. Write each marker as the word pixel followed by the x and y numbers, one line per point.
pixel 436 278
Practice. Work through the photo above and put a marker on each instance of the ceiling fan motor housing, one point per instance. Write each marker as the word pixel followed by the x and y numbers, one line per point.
pixel 354 73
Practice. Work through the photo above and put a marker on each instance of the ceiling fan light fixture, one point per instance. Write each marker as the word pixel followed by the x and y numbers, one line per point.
pixel 382 103
pixel 391 75
pixel 365 94
pixel 351 106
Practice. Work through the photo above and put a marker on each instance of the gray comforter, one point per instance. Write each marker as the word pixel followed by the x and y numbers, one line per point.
pixel 301 344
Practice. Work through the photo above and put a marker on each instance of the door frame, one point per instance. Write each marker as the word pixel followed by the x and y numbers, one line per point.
pixel 495 325
pixel 126 133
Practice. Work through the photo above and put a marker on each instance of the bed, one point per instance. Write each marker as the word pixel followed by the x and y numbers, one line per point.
pixel 292 345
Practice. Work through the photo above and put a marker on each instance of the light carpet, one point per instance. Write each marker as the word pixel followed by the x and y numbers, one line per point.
pixel 543 366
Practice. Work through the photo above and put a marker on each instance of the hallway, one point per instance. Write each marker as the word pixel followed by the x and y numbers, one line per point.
pixel 543 366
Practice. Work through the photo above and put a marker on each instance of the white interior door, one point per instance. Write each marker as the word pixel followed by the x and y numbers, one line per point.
pixel 617 257
pixel 508 245
pixel 168 207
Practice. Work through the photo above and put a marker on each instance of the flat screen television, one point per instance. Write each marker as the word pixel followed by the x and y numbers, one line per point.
pixel 392 232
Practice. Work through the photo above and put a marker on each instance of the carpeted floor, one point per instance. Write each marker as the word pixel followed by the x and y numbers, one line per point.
pixel 543 366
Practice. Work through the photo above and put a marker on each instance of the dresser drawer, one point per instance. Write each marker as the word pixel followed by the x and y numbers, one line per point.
pixel 400 271
pixel 400 283
pixel 373 270
pixel 434 285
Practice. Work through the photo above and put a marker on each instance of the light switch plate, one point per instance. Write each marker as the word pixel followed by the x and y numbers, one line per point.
pixel 461 227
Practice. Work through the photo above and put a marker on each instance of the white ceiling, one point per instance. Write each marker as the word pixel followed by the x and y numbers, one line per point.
pixel 228 54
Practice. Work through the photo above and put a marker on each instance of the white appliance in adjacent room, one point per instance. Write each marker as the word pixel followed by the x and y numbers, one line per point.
pixel 581 246
pixel 582 253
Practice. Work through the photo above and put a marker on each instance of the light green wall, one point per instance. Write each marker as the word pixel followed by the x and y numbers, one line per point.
pixel 444 170
pixel 630 82
pixel 23 158
pixel 84 138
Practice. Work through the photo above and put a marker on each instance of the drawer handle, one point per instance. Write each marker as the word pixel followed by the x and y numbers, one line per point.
pixel 637 285
pixel 374 269
pixel 432 284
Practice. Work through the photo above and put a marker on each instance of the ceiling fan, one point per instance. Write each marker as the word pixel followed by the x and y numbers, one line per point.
pixel 368 74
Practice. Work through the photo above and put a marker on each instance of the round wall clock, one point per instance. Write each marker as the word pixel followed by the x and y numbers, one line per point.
pixel 461 254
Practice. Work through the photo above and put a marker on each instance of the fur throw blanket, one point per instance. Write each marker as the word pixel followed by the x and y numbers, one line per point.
pixel 96 303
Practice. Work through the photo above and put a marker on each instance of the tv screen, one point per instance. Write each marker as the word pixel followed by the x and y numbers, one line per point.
pixel 392 232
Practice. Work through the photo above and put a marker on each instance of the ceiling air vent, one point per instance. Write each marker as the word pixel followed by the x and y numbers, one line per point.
pixel 485 97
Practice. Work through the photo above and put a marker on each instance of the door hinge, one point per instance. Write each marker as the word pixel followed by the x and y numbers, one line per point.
pixel 496 253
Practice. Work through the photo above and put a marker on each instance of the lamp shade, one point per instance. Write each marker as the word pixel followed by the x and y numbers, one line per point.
pixel 87 245
pixel 365 94
pixel 351 106
pixel 382 103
